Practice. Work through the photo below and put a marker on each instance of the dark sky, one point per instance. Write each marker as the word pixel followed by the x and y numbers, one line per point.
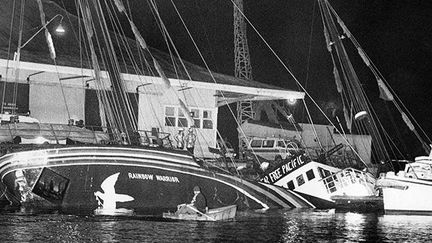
pixel 397 36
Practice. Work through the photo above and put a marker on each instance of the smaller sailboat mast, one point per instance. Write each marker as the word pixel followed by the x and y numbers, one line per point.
pixel 348 83
pixel 350 89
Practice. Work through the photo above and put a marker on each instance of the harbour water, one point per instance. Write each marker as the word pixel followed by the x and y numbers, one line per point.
pixel 270 226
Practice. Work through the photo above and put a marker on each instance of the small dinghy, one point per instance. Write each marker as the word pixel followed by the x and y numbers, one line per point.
pixel 216 214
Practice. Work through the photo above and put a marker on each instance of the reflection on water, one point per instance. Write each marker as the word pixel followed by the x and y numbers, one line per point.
pixel 404 228
pixel 270 226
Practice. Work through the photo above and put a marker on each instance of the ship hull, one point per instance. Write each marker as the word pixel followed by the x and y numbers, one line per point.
pixel 403 195
pixel 120 179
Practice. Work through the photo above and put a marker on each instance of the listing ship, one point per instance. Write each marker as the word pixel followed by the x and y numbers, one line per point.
pixel 320 183
pixel 87 178
pixel 114 168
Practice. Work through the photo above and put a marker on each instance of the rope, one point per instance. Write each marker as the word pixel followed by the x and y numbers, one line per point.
pixel 397 102
pixel 4 192
pixel 8 58
pixel 21 24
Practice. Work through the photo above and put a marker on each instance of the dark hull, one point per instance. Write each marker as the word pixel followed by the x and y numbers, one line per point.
pixel 153 181
pixel 318 202
pixel 3 200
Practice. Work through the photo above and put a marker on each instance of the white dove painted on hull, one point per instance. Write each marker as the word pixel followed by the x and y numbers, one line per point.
pixel 109 198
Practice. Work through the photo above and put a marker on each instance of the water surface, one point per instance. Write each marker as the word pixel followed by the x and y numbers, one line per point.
pixel 269 226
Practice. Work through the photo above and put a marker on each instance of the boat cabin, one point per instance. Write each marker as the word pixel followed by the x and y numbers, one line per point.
pixel 303 175
pixel 420 169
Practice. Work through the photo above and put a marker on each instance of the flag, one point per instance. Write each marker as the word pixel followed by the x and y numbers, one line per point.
pixel 167 83
pixel 50 44
pixel 337 79
pixel 407 121
pixel 363 56
pixel 348 118
pixel 186 112
pixel 385 93
pixel 119 5
pixel 138 36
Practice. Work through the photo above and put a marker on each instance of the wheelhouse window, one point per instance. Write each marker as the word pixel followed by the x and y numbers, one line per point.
pixel 207 119
pixel 195 114
pixel 281 144
pixel 268 143
pixel 323 172
pixel 175 117
pixel 310 174
pixel 256 143
pixel 182 121
pixel 300 180
pixel 170 119
pixel 290 185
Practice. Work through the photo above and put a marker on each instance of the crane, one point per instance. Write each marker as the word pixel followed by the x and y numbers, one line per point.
pixel 242 69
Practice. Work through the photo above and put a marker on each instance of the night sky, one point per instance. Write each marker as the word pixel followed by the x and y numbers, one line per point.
pixel 396 35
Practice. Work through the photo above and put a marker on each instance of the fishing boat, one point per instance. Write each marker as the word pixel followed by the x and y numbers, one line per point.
pixel 395 196
pixel 320 183
pixel 216 214
pixel 335 161
pixel 96 160
pixel 408 191
pixel 319 161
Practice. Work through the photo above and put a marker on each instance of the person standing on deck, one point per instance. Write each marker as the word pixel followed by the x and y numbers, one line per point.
pixel 179 138
pixel 190 140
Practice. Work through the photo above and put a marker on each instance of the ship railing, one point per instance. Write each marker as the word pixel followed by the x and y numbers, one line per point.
pixel 48 133
pixel 344 157
pixel 347 177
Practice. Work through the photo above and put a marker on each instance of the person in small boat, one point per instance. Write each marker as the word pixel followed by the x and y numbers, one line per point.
pixel 198 203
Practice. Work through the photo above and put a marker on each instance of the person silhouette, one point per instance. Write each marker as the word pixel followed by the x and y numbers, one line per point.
pixel 198 203
pixel 190 140
pixel 179 138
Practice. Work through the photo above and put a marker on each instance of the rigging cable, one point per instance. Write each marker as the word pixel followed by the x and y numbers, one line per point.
pixel 296 80
pixel 8 56
pixel 378 75
pixel 18 53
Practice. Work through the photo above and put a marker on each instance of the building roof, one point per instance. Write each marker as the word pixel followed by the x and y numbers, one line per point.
pixel 70 54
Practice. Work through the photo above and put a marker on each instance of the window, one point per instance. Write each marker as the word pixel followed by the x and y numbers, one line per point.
pixel 51 186
pixel 175 117
pixel 290 185
pixel 281 144
pixel 182 121
pixel 207 120
pixel 268 143
pixel 324 173
pixel 300 180
pixel 310 174
pixel 256 143
pixel 170 120
pixel 195 114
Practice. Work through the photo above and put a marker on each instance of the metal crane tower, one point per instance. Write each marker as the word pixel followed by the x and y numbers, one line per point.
pixel 242 68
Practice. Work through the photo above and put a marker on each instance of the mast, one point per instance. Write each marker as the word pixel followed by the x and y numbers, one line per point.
pixel 351 84
pixel 242 69
pixel 117 104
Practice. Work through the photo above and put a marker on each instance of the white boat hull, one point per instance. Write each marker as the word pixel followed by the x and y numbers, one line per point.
pixel 406 195
pixel 217 214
